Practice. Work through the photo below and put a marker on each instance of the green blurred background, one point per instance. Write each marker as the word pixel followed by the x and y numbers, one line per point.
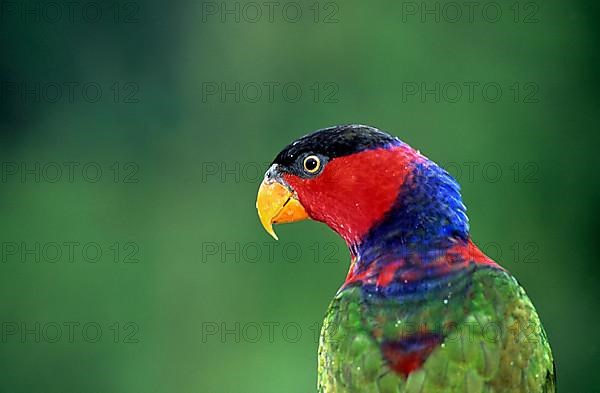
pixel 134 136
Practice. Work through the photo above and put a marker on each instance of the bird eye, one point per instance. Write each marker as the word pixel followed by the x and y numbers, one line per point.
pixel 312 164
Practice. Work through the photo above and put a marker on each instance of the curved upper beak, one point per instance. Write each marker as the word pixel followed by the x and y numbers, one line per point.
pixel 277 203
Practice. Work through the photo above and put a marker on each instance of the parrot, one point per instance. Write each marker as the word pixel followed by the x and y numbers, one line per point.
pixel 422 308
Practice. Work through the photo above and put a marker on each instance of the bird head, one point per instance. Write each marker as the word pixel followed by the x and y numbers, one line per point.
pixel 363 183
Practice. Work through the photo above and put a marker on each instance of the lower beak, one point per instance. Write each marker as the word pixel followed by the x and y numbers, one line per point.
pixel 276 204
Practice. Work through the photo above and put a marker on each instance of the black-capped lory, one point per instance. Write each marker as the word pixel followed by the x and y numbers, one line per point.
pixel 422 309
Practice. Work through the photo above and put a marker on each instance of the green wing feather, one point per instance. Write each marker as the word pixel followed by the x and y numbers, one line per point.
pixel 493 340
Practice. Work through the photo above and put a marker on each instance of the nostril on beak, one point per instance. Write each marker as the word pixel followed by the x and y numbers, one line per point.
pixel 271 173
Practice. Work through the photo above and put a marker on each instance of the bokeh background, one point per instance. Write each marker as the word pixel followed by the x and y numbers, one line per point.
pixel 134 136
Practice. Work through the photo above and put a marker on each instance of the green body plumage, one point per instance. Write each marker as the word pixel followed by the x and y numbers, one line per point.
pixel 494 341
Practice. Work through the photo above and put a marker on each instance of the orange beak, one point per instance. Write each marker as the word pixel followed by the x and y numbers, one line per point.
pixel 276 204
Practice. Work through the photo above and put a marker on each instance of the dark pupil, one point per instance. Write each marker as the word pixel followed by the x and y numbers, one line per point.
pixel 311 164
